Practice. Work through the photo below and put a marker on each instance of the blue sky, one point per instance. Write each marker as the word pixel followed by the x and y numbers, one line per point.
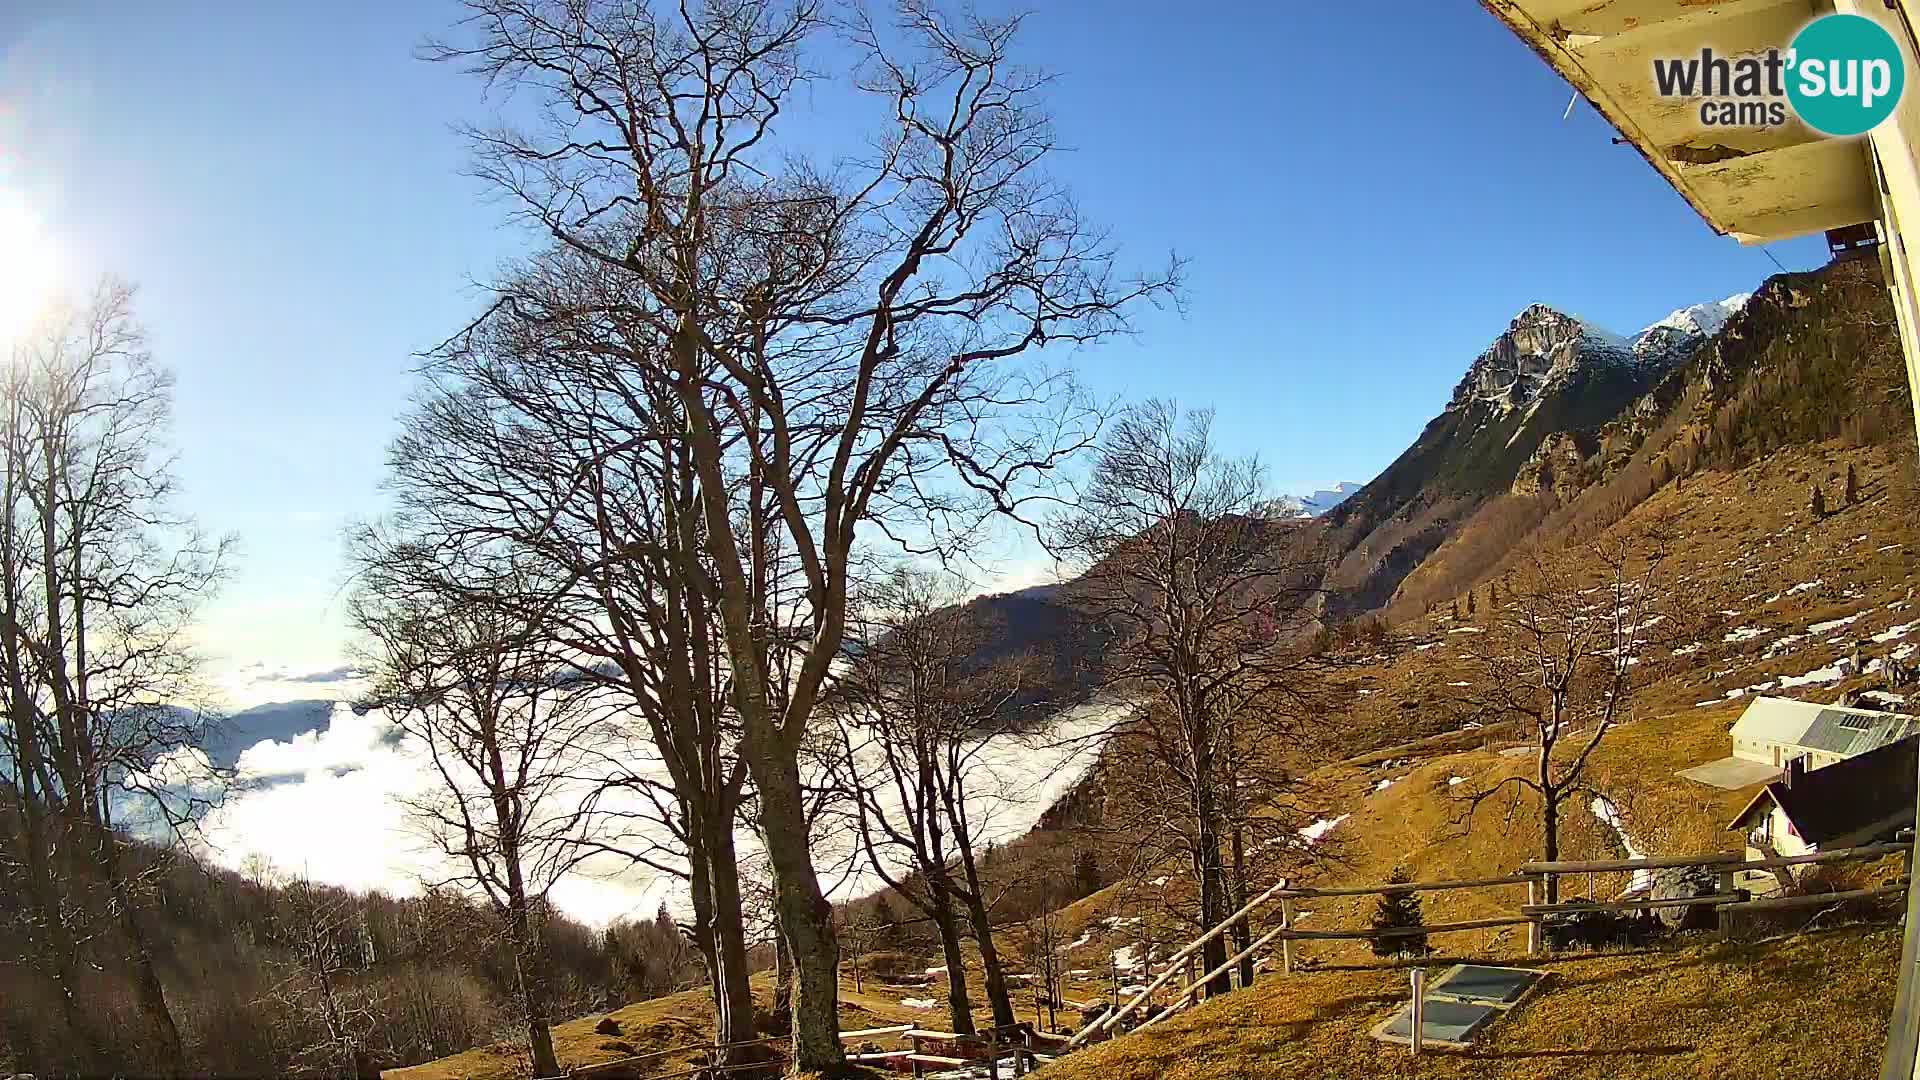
pixel 1365 199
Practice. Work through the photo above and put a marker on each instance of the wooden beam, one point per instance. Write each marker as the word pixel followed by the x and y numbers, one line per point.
pixel 1114 1017
pixel 1665 862
pixel 1411 886
pixel 870 1033
pixel 1782 903
pixel 1405 931
pixel 1632 905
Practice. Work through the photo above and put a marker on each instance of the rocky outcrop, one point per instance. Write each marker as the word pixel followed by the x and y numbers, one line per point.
pixel 1561 465
pixel 1540 349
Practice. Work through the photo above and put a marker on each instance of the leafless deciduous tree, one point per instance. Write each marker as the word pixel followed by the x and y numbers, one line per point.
pixel 1043 944
pixel 1214 628
pixel 549 430
pixel 325 940
pixel 1575 634
pixel 920 713
pixel 100 578
pixel 506 730
pixel 837 338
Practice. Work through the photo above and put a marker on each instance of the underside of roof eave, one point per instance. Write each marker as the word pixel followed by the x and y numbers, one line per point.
pixel 1757 185
pixel 1549 49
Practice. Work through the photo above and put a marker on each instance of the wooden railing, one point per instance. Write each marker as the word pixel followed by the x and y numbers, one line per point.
pixel 1533 914
pixel 988 1047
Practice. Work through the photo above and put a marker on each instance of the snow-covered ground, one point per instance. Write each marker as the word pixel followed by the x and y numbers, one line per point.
pixel 1317 831
pixel 1609 815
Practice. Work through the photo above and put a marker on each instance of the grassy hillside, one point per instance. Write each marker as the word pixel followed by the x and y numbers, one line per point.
pixel 1810 1006
pixel 648 1027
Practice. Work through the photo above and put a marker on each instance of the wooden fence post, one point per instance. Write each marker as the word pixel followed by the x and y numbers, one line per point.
pixel 1417 1011
pixel 993 1053
pixel 1286 940
pixel 1533 924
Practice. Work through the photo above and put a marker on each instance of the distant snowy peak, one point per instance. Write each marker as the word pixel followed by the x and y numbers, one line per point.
pixel 1674 338
pixel 1544 346
pixel 1319 502
pixel 1310 505
pixel 1707 318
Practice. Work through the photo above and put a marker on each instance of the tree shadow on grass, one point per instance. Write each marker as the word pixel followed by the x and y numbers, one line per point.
pixel 1531 963
pixel 1674 1050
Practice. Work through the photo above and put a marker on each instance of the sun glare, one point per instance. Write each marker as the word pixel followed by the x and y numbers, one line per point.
pixel 26 268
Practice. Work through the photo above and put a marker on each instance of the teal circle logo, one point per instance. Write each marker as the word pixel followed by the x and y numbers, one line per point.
pixel 1845 74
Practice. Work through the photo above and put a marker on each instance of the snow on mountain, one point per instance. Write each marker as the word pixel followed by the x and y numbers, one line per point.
pixel 1675 337
pixel 1319 502
pixel 1543 347
pixel 1707 318
pixel 1309 505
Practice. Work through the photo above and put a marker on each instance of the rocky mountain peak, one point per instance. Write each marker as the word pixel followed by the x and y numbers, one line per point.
pixel 1539 348
pixel 1543 346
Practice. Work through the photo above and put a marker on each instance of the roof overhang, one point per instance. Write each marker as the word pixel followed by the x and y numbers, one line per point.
pixel 1757 185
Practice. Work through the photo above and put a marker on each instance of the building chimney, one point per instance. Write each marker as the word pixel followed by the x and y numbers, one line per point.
pixel 1796 768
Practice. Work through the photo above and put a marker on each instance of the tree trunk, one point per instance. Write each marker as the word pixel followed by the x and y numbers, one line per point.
pixel 806 919
pixel 959 1005
pixel 530 970
pixel 1206 866
pixel 998 999
pixel 732 995
pixel 1550 827
pixel 1242 930
pixel 148 990
pixel 700 895
pixel 61 950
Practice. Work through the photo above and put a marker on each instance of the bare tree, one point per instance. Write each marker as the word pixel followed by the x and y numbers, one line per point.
pixel 549 430
pixel 100 578
pixel 837 338
pixel 1214 628
pixel 322 934
pixel 921 712
pixel 1043 943
pixel 1575 634
pixel 505 728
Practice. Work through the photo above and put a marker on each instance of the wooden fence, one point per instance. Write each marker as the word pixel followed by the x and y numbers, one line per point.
pixel 1726 899
pixel 942 1049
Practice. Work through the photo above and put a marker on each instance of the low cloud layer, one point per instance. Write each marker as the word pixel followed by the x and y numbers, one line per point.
pixel 330 803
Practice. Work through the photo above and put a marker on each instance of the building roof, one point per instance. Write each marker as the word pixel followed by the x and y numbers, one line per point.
pixel 1846 797
pixel 1829 729
pixel 1755 184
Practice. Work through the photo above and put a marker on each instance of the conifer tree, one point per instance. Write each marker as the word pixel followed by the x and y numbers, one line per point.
pixel 1398 911
pixel 1086 872
pixel 1853 486
pixel 1469 603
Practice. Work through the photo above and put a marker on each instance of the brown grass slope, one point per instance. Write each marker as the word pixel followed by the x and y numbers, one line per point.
pixel 1806 1007
pixel 648 1027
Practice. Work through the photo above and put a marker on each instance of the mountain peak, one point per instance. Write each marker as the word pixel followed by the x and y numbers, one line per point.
pixel 1312 504
pixel 1543 346
pixel 1705 318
